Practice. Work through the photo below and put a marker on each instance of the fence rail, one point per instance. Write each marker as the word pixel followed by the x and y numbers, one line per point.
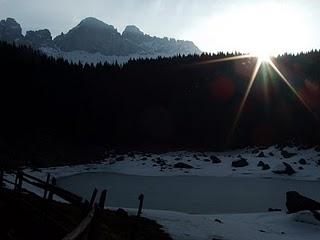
pixel 89 208
pixel 82 227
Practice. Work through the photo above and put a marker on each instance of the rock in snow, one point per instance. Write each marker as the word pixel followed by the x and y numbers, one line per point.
pixel 240 163
pixel 261 155
pixel 296 203
pixel 284 168
pixel 302 161
pixel 264 166
pixel 182 165
pixel 287 154
pixel 215 159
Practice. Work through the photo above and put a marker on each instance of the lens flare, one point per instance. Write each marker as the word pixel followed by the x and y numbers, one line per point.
pixel 293 90
pixel 225 59
pixel 244 100
pixel 263 58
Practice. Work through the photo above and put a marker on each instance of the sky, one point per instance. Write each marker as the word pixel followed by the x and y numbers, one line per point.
pixel 269 27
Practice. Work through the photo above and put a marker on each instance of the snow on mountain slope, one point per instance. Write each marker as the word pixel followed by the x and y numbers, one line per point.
pixel 94 58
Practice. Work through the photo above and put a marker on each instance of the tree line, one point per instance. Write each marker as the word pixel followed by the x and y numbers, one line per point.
pixel 53 111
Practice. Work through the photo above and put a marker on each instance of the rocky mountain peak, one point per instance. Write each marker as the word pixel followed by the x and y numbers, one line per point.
pixel 133 30
pixel 91 22
pixel 93 37
pixel 10 30
pixel 38 38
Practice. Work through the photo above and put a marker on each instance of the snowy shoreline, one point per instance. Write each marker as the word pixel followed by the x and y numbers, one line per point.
pixel 304 162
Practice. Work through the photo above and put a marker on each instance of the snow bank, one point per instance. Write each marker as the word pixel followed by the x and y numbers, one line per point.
pixel 203 164
pixel 258 226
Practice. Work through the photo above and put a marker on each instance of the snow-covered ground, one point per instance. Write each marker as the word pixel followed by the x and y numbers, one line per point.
pixel 183 226
pixel 257 226
pixel 306 163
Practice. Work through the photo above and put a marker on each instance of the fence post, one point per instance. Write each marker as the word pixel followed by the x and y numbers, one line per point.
pixel 141 198
pixel 87 206
pixel 1 177
pixel 53 183
pixel 18 181
pixel 93 198
pixel 46 185
pixel 102 200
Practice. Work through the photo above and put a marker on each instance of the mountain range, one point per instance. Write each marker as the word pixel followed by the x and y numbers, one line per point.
pixel 93 41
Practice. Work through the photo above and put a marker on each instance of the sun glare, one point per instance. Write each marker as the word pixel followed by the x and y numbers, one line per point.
pixel 270 28
pixel 263 57
pixel 263 31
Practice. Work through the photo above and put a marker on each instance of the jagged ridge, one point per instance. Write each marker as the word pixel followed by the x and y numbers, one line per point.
pixel 94 36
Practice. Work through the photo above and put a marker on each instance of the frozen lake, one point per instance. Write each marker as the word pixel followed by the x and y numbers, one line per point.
pixel 191 194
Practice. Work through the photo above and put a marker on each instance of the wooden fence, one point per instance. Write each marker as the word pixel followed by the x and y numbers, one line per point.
pixel 49 190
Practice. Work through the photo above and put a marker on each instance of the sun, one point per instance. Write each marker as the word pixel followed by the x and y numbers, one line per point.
pixel 263 57
pixel 254 31
pixel 262 52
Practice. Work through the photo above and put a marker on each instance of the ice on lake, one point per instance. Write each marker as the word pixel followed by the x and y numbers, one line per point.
pixel 191 194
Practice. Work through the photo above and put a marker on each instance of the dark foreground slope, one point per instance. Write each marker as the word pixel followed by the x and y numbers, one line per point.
pixel 53 112
pixel 25 217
